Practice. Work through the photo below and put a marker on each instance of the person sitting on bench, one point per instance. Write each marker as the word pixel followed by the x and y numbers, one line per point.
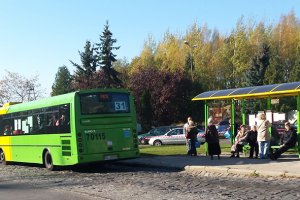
pixel 288 140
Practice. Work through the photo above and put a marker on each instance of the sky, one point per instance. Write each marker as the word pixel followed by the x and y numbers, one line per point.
pixel 39 36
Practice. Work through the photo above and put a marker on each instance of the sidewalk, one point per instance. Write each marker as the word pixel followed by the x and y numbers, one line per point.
pixel 285 166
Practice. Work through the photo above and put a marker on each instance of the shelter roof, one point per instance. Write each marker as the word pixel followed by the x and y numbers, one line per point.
pixel 274 91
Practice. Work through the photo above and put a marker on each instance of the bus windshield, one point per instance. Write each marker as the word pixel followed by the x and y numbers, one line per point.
pixel 104 103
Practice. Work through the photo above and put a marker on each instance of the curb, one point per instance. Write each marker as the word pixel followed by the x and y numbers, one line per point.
pixel 244 172
pixel 223 170
pixel 270 173
pixel 291 175
pixel 247 172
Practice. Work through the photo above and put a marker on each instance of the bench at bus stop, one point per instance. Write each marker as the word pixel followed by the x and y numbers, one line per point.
pixel 246 148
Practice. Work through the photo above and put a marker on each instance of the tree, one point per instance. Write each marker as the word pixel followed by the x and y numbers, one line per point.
pixel 169 54
pixel 241 52
pixel 169 95
pixel 84 77
pixel 255 75
pixel 17 88
pixel 106 58
pixel 147 111
pixel 122 66
pixel 62 82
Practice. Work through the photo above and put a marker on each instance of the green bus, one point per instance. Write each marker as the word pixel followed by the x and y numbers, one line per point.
pixel 78 127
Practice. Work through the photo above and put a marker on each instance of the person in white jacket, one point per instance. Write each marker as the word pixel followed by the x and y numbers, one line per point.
pixel 263 135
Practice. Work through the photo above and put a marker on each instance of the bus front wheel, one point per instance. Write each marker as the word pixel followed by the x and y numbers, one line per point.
pixel 48 162
pixel 2 157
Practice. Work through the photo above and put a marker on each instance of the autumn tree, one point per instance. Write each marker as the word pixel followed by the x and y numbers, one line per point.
pixel 169 94
pixel 62 82
pixel 146 114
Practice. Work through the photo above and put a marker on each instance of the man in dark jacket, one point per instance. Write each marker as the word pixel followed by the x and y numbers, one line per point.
pixel 252 140
pixel 192 132
pixel 288 140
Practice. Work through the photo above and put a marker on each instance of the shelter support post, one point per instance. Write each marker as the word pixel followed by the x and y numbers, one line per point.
pixel 205 114
pixel 298 122
pixel 243 112
pixel 205 123
pixel 269 108
pixel 232 123
pixel 269 103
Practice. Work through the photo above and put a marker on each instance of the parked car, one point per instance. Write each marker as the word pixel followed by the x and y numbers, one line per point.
pixel 279 126
pixel 161 130
pixel 223 126
pixel 174 136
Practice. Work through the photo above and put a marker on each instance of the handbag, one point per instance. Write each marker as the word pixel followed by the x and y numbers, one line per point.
pixel 197 144
pixel 227 135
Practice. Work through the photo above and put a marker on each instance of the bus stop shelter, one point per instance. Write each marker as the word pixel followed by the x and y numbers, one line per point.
pixel 268 92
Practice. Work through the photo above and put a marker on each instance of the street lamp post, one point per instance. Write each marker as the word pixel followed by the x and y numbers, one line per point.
pixel 191 53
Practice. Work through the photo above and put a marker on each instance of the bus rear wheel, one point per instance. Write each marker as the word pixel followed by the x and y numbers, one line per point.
pixel 2 157
pixel 48 162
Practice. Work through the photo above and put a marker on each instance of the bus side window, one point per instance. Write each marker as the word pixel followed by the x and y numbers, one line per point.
pixel 7 130
pixel 1 126
pixel 29 124
pixel 64 119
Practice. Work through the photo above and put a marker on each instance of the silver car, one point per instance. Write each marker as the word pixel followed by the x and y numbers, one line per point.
pixel 174 136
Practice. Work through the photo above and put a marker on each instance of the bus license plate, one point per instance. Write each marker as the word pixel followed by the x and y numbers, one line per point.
pixel 110 157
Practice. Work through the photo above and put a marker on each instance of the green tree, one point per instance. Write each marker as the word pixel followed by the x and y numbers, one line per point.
pixel 84 77
pixel 146 107
pixel 106 58
pixel 122 66
pixel 241 52
pixel 255 74
pixel 62 82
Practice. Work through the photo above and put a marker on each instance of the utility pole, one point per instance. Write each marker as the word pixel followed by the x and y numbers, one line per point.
pixel 191 53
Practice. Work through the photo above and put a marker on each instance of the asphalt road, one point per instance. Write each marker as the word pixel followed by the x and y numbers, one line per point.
pixel 116 181
pixel 14 190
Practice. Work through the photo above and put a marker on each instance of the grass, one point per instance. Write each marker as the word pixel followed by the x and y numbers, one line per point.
pixel 168 150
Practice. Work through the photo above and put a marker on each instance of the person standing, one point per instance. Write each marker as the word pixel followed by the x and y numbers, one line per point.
pixel 192 132
pixel 252 140
pixel 185 131
pixel 263 135
pixel 212 139
pixel 288 140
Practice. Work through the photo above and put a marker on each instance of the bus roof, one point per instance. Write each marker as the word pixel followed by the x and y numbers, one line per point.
pixel 50 101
